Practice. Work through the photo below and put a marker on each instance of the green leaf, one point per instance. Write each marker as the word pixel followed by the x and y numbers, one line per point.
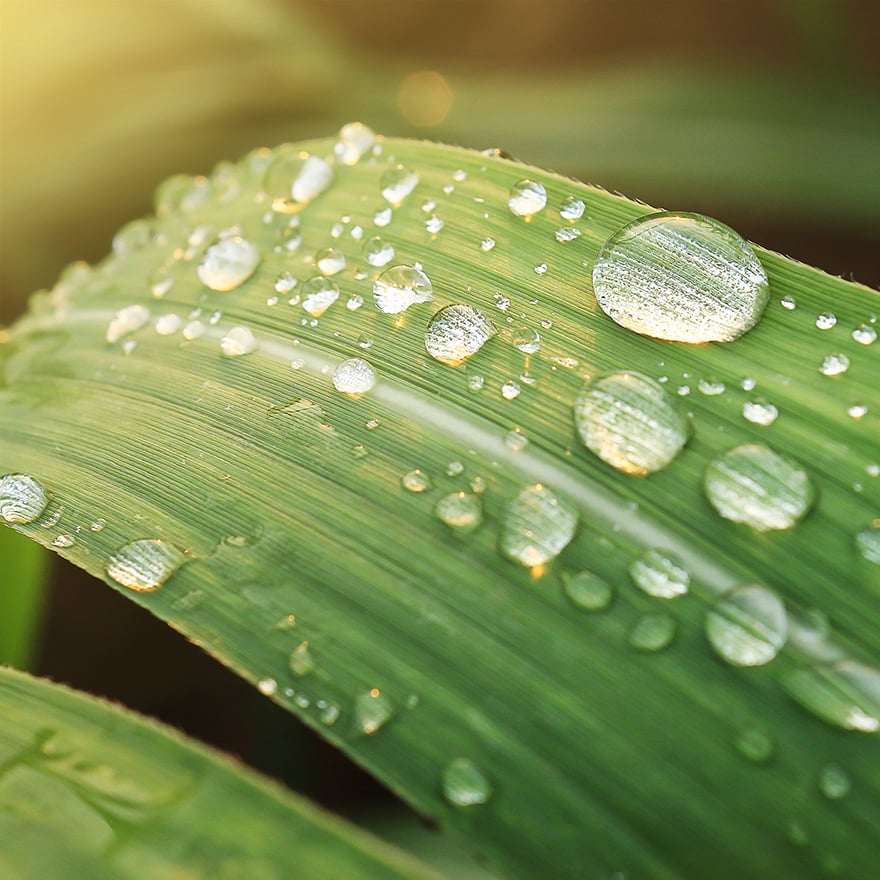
pixel 308 567
pixel 90 790
pixel 21 597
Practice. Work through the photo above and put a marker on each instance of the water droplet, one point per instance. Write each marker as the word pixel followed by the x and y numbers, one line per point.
pixel 710 387
pixel 160 282
pixel 464 784
pixel 487 244
pixel 98 525
pixel 653 632
pixel 457 332
pixel 567 233
pixel 399 287
pixel 22 498
pixel 382 217
pixel 509 390
pixel 167 324
pixel 760 412
pixel 372 709
pixel 354 303
pixel 64 541
pixel 475 383
pixel 681 277
pixel 660 574
pixel 378 252
pixel 527 198
pixel 541 269
pixel 454 468
pixel 753 485
pixel 537 526
pixel 630 422
pixel 397 183
pixel 329 714
pixel 868 543
pixel 788 302
pixel 330 261
pixel 587 591
pixel 416 481
pixel 284 283
pixel 318 294
pixel 515 440
pixel 834 364
pixel 826 320
pixel 527 340
pixel 845 694
pixel 748 626
pixel 238 341
pixel 755 745
pixel 864 334
pixel 181 193
pixel 460 511
pixel 352 142
pixel 267 686
pixel 857 411
pixel 834 782
pixel 301 661
pixel 193 330
pixel 748 384
pixel 434 224
pixel 144 565
pixel 572 208
pixel 134 236
pixel 295 177
pixel 126 321
pixel 228 263
pixel 354 376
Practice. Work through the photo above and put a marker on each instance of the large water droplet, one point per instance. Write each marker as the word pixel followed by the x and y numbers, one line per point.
pixel 587 591
pixel 834 364
pixel 464 784
pixel 527 198
pixel 295 177
pixel 228 263
pixel 238 341
pixel 352 142
pixel 537 525
pixel 752 484
pixel 144 565
pixel 126 321
pixel 22 498
pixel 572 208
pixel 864 334
pixel 660 574
pixel 354 376
pixel 653 632
pixel 372 709
pixel 460 511
pixel 318 294
pixel 748 626
pixel 399 287
pixel 456 333
pixel 629 421
pixel 681 277
pixel 826 320
pixel 868 543
pixel 845 694
pixel 397 183
pixel 330 261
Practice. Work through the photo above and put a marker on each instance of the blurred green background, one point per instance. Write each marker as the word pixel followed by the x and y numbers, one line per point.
pixel 762 113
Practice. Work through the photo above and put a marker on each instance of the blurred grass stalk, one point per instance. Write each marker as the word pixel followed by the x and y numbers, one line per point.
pixel 22 597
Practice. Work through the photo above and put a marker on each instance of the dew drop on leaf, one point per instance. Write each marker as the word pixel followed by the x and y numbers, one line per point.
pixel 680 277
pixel 755 745
pixel 397 183
pixel 354 376
pixel 318 294
pixel 228 263
pixel 864 334
pixel 294 177
pixel 834 364
pixel 168 324
pixel 868 543
pixel 464 784
pixel 845 694
pixel 416 481
pixel 457 332
pixel 22 498
pixel 527 198
pixel 238 341
pixel 587 590
pixel 760 412
pixel 301 661
pixel 352 142
pixel 378 252
pixel 399 287
pixel 144 565
pixel 460 511
pixel 834 782
pixel 330 261
pixel 372 709
pixel 653 632
pixel 826 320
pixel 660 574
pixel 748 626
pixel 126 321
pixel 537 525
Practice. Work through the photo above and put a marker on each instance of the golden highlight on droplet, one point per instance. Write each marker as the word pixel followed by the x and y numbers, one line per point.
pixel 424 98
pixel 374 692
pixel 538 571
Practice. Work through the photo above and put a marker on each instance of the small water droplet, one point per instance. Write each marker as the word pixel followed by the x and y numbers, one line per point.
pixel 295 177
pixel 464 784
pixel 572 208
pixel 788 302
pixel 329 714
pixel 353 140
pixel 160 281
pixel 748 384
pixel 515 440
pixel 845 694
pixel 330 261
pixel 760 412
pixel 354 376
pixel 753 485
pixel 864 334
pixel 755 745
pixel 541 269
pixel 454 468
pixel 510 390
pixel 354 303
pixel 487 244
pixel 587 590
pixel 567 233
pixel 680 277
pixel 537 526
pixel 378 252
pixel 126 321
pixel 98 525
pixel 748 626
pixel 710 387
pixel 475 383
pixel 399 287
pixel 301 661
pixel 397 183
pixel 284 283
pixel 64 541
pixel 228 263
pixel 416 481
pixel 382 217
pixel 527 340
pixel 834 364
pixel 372 709
pixel 834 782
pixel 318 294
pixel 134 236
pixel 653 632
pixel 22 498
pixel 527 198
pixel 460 511
pixel 267 686
pixel 238 341
pixel 826 320
pixel 168 324
pixel 181 193
pixel 868 543
pixel 857 411
pixel 434 224
pixel 193 330
pixel 144 565
pixel 456 333
pixel 630 422
pixel 660 574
